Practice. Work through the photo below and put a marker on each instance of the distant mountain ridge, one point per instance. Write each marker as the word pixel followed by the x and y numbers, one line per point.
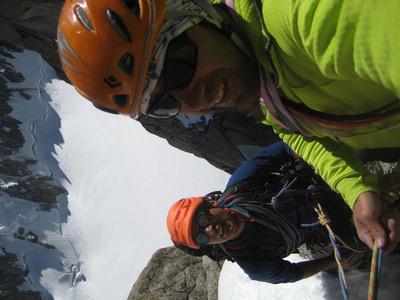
pixel 23 190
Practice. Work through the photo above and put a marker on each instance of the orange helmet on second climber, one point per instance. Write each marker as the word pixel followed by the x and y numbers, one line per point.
pixel 105 48
pixel 180 221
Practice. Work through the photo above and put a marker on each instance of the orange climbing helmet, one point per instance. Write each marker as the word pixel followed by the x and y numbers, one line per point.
pixel 113 51
pixel 105 48
pixel 180 221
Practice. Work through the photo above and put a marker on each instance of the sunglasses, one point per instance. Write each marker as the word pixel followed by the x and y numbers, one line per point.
pixel 178 71
pixel 202 221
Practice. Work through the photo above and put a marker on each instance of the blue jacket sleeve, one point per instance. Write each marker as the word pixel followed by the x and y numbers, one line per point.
pixel 268 160
pixel 274 270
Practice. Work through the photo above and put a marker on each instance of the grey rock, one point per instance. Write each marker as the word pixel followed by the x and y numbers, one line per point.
pixel 39 189
pixel 217 141
pixel 11 273
pixel 212 269
pixel 20 295
pixel 174 275
pixel 14 167
pixel 32 24
pixel 11 138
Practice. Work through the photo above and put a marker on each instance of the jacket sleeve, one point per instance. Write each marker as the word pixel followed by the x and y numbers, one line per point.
pixel 335 163
pixel 273 270
pixel 350 39
pixel 268 160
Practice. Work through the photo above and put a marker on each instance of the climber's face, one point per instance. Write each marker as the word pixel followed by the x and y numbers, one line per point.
pixel 220 75
pixel 217 225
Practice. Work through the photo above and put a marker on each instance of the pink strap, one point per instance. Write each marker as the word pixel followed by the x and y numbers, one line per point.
pixel 271 99
pixel 231 4
pixel 273 103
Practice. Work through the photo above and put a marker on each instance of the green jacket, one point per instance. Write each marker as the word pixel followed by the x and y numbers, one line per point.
pixel 341 57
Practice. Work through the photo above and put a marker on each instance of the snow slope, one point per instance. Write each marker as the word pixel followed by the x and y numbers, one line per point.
pixel 121 182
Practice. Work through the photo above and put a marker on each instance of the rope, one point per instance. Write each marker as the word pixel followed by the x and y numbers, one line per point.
pixel 277 222
pixel 325 221
pixel 374 273
pixel 284 188
pixel 375 263
pixel 313 188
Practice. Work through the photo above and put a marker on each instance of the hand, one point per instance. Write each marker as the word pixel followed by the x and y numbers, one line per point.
pixel 366 213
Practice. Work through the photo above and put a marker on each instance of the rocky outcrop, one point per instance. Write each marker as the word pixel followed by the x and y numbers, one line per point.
pixel 216 141
pixel 12 274
pixel 39 189
pixel 174 275
pixel 32 24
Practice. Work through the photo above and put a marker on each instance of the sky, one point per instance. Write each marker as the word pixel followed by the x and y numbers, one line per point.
pixel 120 181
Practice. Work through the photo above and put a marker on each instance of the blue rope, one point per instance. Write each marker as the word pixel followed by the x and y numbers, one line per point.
pixel 341 279
pixel 378 271
pixel 310 224
pixel 380 257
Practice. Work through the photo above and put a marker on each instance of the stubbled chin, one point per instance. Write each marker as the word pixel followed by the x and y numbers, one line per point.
pixel 247 103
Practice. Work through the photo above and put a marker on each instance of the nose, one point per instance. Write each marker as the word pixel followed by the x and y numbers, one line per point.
pixel 211 231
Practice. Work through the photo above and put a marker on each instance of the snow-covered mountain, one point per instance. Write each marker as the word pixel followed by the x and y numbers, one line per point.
pixel 114 184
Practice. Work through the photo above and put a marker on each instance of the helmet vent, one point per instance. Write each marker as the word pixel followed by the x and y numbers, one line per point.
pixel 83 18
pixel 120 100
pixel 133 6
pixel 112 81
pixel 118 25
pixel 126 63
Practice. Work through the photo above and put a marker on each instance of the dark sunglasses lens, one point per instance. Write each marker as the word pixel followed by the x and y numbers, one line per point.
pixel 182 49
pixel 202 239
pixel 180 63
pixel 203 220
pixel 177 75
pixel 166 107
